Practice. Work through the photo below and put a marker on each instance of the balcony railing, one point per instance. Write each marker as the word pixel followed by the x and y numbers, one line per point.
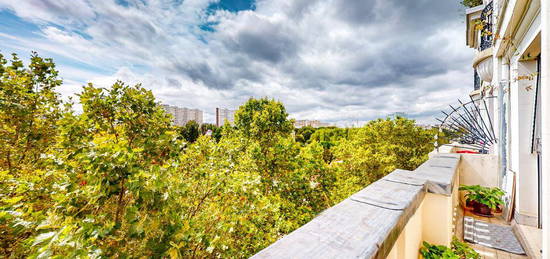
pixel 477 81
pixel 487 30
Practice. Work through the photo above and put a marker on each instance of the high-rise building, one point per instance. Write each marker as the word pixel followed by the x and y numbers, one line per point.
pixel 183 115
pixel 223 115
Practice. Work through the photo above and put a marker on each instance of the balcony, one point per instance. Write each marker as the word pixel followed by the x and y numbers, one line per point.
pixel 477 81
pixel 393 216
pixel 486 20
pixel 479 36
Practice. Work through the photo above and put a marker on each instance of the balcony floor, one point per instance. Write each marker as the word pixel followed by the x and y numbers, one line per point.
pixel 487 252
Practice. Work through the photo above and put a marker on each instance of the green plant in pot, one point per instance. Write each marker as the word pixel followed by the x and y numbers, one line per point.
pixel 483 199
pixel 469 189
pixel 458 250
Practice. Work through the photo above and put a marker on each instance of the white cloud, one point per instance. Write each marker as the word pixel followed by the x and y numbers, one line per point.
pixel 333 60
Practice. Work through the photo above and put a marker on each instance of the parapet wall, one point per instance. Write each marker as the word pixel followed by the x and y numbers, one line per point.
pixel 388 219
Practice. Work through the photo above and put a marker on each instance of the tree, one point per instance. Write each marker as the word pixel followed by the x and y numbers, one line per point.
pixel 329 137
pixel 190 131
pixel 263 119
pixel 263 123
pixel 117 180
pixel 215 130
pixel 303 134
pixel 114 157
pixel 285 170
pixel 29 111
pixel 377 149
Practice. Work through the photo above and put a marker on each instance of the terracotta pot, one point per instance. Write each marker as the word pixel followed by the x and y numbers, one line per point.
pixel 482 210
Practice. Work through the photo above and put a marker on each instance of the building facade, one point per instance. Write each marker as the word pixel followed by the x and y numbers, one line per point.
pixel 224 116
pixel 511 78
pixel 310 123
pixel 183 115
pixel 398 114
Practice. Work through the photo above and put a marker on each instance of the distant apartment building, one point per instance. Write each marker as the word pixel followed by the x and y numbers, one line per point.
pixel 223 115
pixel 398 114
pixel 184 115
pixel 310 123
pixel 426 126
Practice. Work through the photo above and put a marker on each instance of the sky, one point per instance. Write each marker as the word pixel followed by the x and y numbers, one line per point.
pixel 339 61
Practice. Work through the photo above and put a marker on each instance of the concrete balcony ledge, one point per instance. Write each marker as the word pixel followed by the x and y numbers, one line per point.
pixel 369 223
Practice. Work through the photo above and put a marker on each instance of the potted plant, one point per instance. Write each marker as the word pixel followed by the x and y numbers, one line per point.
pixel 483 199
pixel 469 189
pixel 458 250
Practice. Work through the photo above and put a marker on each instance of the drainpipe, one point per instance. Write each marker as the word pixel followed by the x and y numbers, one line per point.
pixel 504 83
pixel 545 129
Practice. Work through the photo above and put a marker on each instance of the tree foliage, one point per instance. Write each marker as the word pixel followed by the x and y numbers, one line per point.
pixel 190 131
pixel 263 119
pixel 29 108
pixel 214 131
pixel 118 180
pixel 471 3
pixel 303 134
pixel 378 148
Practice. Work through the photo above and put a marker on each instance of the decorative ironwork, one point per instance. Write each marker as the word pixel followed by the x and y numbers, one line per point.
pixel 487 30
pixel 467 119
pixel 477 81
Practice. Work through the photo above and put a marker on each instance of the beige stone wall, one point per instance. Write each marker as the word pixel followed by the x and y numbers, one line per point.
pixel 434 222
pixel 479 169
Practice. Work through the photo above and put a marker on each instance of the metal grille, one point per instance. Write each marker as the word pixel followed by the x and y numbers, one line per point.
pixel 487 31
pixel 472 122
pixel 477 81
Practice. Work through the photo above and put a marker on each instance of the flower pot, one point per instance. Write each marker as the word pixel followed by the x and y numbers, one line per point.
pixel 482 210
pixel 498 209
pixel 470 204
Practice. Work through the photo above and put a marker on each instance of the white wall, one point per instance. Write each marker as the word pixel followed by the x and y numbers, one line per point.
pixel 545 98
pixel 522 161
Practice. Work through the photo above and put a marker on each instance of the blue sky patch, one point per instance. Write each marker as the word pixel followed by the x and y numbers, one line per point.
pixel 228 5
pixel 15 26
pixel 122 3
pixel 232 5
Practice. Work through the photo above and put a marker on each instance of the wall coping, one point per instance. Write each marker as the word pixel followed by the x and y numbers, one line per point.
pixel 368 223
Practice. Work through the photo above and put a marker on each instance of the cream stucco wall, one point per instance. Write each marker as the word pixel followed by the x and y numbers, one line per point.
pixel 479 169
pixel 410 240
pixel 433 222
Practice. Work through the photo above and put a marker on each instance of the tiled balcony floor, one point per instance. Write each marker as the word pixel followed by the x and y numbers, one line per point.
pixel 487 252
pixel 533 236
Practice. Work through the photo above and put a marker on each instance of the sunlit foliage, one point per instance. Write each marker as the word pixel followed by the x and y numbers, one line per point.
pixel 118 180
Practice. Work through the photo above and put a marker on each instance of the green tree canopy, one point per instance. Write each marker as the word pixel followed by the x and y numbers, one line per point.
pixel 263 119
pixel 29 108
pixel 190 131
pixel 117 180
pixel 377 149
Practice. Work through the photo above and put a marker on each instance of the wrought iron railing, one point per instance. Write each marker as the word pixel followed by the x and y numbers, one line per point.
pixel 477 81
pixel 472 122
pixel 487 30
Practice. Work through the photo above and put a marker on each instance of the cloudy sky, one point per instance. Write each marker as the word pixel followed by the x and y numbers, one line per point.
pixel 339 61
